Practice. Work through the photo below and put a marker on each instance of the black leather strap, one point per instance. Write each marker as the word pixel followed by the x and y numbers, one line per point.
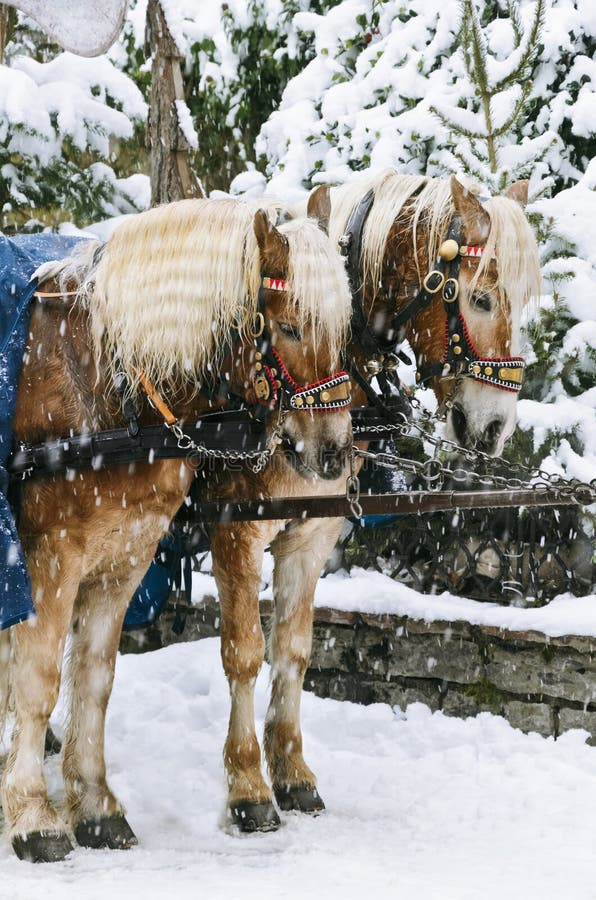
pixel 234 430
pixel 225 430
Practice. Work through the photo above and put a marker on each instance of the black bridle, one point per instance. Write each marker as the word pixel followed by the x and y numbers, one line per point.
pixel 274 386
pixel 460 357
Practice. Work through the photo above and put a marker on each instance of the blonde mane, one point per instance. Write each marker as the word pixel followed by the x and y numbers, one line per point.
pixel 431 206
pixel 171 283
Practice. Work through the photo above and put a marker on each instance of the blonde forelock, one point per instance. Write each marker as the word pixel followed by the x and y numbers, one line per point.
pixel 318 283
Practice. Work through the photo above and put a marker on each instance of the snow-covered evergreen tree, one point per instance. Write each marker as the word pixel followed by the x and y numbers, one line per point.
pixel 389 82
pixel 61 120
pixel 240 54
pixel 496 89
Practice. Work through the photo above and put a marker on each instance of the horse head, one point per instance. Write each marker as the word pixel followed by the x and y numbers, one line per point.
pixel 451 273
pixel 294 357
pixel 492 272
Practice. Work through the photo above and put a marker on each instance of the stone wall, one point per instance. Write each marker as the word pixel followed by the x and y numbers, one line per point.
pixel 538 683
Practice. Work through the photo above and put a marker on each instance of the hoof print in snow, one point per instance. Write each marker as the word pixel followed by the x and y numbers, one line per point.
pixel 251 817
pixel 42 846
pixel 298 798
pixel 112 832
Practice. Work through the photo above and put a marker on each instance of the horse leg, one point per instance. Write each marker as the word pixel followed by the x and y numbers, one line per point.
pixel 4 676
pixel 38 834
pixel 237 558
pixel 96 816
pixel 52 744
pixel 300 553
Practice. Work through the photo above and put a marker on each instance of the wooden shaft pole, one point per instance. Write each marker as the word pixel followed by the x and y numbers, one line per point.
pixel 413 503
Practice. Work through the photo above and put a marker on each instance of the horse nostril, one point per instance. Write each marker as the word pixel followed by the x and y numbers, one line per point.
pixel 491 435
pixel 460 423
pixel 332 460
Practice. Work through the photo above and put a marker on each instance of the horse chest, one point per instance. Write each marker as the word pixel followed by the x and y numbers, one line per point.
pixel 106 516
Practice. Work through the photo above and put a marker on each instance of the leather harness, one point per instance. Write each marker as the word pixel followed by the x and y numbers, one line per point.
pixel 460 357
pixel 239 430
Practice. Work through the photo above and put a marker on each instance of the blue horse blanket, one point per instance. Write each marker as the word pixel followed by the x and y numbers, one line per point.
pixel 19 258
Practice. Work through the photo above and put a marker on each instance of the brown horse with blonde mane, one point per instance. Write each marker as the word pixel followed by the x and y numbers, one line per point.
pixel 449 272
pixel 179 298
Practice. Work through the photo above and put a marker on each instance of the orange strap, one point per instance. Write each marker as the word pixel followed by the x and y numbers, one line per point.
pixel 159 404
pixel 42 294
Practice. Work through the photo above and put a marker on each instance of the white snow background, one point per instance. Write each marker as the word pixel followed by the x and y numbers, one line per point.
pixel 420 806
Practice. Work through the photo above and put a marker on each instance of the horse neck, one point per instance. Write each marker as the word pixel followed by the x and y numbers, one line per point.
pixel 61 390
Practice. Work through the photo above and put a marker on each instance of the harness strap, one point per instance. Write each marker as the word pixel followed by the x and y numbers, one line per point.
pixel 233 430
pixel 389 405
pixel 51 295
pixel 350 247
pixel 379 350
pixel 156 399
pixel 229 430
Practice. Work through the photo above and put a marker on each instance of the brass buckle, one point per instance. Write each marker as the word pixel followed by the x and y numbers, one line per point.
pixel 450 290
pixel 262 387
pixel 428 286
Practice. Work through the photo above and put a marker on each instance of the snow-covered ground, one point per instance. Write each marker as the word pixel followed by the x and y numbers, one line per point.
pixel 419 806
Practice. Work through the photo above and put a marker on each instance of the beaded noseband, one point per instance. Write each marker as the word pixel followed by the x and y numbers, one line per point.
pixel 273 379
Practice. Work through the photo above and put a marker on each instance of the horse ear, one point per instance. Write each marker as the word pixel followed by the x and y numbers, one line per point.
pixel 475 219
pixel 519 191
pixel 319 206
pixel 272 244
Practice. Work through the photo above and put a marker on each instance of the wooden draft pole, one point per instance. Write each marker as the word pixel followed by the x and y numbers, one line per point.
pixel 405 504
pixel 172 176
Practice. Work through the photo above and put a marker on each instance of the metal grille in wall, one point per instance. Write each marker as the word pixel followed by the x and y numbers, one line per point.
pixel 510 556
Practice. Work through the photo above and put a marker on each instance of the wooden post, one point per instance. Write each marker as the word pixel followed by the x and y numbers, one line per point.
pixel 172 177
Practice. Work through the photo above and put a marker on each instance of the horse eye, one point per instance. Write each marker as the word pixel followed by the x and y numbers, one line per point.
pixel 290 331
pixel 482 301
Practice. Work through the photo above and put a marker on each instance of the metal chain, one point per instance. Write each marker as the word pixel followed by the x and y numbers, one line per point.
pixel 260 457
pixel 434 472
pixel 353 487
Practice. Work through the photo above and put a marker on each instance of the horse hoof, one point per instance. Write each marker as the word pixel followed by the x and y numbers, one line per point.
pixel 299 798
pixel 42 846
pixel 251 817
pixel 112 832
pixel 53 745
